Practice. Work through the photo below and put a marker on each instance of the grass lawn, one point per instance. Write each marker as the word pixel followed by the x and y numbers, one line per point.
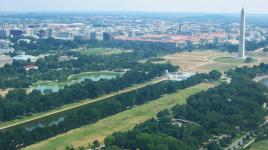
pixel 231 60
pixel 260 145
pixel 102 51
pixel 194 61
pixel 120 122
pixel 207 60
pixel 217 66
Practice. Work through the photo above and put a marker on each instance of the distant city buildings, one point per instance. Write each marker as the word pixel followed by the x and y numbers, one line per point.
pixel 93 36
pixel 181 40
pixel 4 33
pixel 5 44
pixel 5 59
pixel 16 32
pixel 31 67
pixel 177 30
pixel 24 57
pixel 107 36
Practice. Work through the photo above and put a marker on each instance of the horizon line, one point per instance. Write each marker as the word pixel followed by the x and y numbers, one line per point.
pixel 121 11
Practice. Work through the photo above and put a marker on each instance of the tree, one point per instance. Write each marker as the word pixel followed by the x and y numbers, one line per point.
pixel 113 147
pixel 249 60
pixel 213 146
pixel 69 147
pixel 95 144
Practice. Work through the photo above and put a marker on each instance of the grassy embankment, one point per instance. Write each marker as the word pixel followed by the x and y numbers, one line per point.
pixel 260 145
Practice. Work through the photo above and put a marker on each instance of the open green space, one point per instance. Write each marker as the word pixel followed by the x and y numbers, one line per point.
pixel 65 108
pixel 260 145
pixel 120 122
pixel 102 51
pixel 218 66
pixel 77 78
pixel 231 60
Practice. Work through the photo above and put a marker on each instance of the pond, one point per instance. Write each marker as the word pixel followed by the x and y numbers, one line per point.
pixel 77 78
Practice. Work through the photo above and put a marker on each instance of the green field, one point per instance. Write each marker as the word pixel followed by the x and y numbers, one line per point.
pixel 120 122
pixel 260 145
pixel 231 60
pixel 101 51
pixel 218 66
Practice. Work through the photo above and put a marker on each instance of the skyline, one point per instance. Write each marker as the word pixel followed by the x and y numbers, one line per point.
pixel 206 6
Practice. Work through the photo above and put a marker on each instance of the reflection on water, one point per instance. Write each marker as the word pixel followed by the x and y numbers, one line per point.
pixel 54 87
pixel 44 123
pixel 265 82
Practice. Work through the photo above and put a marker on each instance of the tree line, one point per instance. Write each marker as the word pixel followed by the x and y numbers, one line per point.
pixel 250 72
pixel 50 68
pixel 15 76
pixel 17 103
pixel 20 137
pixel 218 115
pixel 47 45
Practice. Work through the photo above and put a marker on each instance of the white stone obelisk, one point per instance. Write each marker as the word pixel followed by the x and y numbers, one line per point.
pixel 242 34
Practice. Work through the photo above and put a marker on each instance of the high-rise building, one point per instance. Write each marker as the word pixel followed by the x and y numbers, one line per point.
pixel 16 32
pixel 242 34
pixel 181 28
pixel 42 33
pixel 3 34
pixel 161 27
pixel 107 36
pixel 93 36
pixel 50 33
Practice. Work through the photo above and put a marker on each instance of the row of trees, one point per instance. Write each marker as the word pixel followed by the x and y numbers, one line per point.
pixel 17 103
pixel 21 137
pixel 15 76
pixel 250 72
pixel 218 114
pixel 44 45
pixel 40 46
pixel 50 44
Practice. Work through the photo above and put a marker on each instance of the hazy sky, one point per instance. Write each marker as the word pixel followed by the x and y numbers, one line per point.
pixel 252 6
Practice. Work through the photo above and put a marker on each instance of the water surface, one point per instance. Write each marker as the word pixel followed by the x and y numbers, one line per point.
pixel 265 82
pixel 78 78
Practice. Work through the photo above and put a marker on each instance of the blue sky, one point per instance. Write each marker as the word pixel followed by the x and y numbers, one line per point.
pixel 229 6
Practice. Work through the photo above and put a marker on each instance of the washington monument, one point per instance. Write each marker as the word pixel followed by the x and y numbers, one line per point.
pixel 242 35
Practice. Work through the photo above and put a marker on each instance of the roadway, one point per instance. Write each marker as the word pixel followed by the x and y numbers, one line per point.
pixel 239 142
